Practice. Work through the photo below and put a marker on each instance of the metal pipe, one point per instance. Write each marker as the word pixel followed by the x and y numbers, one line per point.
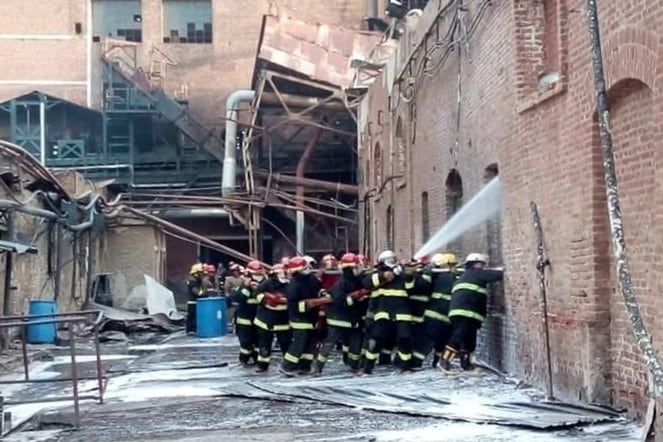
pixel 58 261
pixel 42 131
pixel 100 167
pixel 301 168
pixel 300 101
pixel 229 176
pixel 331 186
pixel 100 370
pixel 191 213
pixel 9 258
pixel 8 204
pixel 74 375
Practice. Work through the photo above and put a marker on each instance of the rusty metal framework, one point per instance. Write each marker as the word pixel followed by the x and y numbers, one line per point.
pixel 267 84
pixel 88 317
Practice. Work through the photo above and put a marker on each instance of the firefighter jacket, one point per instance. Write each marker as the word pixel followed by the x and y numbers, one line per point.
pixel 390 298
pixel 207 286
pixel 193 285
pixel 346 311
pixel 300 288
pixel 271 317
pixel 438 306
pixel 247 304
pixel 469 296
pixel 328 279
pixel 419 286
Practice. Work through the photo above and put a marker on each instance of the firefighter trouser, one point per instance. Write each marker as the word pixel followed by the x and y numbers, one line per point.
pixel 437 334
pixel 248 341
pixel 464 334
pixel 300 351
pixel 383 332
pixel 265 340
pixel 351 337
pixel 420 342
pixel 191 317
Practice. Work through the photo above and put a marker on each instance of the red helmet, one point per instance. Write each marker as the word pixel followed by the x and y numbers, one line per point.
pixel 349 260
pixel 329 262
pixel 285 261
pixel 424 259
pixel 297 264
pixel 254 267
pixel 209 269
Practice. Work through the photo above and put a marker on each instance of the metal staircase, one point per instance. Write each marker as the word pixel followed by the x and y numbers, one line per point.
pixel 120 56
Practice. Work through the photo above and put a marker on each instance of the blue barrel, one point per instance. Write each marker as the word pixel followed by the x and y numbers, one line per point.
pixel 211 317
pixel 42 333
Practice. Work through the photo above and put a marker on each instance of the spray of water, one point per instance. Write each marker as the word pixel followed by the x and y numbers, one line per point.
pixel 479 209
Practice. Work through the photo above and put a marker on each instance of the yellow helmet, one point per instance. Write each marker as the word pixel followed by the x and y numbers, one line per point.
pixel 196 268
pixel 444 259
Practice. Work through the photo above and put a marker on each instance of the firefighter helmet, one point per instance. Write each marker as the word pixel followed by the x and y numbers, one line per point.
pixel 310 260
pixel 476 257
pixel 196 268
pixel 297 264
pixel 276 268
pixel 444 259
pixel 388 259
pixel 284 261
pixel 255 268
pixel 209 269
pixel 349 260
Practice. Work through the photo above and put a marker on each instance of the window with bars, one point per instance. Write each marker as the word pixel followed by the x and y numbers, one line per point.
pixel 187 21
pixel 117 19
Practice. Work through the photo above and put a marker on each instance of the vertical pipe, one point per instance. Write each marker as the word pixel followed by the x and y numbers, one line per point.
pixel 88 52
pixel 640 332
pixel 9 265
pixel 42 131
pixel 100 369
pixel 301 168
pixel 541 264
pixel 74 375
pixel 24 348
pixel 58 261
pixel 299 232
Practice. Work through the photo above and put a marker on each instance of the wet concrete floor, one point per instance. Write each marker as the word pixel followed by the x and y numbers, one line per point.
pixel 177 390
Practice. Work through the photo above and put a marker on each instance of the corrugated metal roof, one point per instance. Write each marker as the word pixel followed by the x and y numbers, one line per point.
pixel 320 52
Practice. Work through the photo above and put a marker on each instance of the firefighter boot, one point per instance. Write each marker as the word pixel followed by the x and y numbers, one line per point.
pixel 466 362
pixel 446 358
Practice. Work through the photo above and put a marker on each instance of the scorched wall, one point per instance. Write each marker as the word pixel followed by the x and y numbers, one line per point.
pixel 527 111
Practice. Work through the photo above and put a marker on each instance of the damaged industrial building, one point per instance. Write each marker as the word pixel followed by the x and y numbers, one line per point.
pixel 161 159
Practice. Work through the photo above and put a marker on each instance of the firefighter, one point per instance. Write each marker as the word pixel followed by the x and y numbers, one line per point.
pixel 272 316
pixel 193 283
pixel 436 316
pixel 467 311
pixel 329 274
pixel 246 303
pixel 419 285
pixel 208 284
pixel 345 313
pixel 303 293
pixel 391 316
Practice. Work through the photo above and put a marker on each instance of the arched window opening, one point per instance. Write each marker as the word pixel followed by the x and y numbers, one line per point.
pixel 454 192
pixel 425 221
pixel 377 165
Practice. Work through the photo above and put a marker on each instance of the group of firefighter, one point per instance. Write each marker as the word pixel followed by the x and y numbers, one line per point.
pixel 391 313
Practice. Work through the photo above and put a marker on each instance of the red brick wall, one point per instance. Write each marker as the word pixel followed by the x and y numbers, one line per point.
pixel 544 139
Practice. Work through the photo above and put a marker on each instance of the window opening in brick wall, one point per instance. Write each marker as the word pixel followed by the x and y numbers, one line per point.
pixel 187 21
pixel 454 201
pixel 390 228
pixel 401 146
pixel 540 33
pixel 117 19
pixel 425 221
pixel 377 165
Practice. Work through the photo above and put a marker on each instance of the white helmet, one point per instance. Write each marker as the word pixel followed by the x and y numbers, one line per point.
pixel 477 257
pixel 310 260
pixel 388 258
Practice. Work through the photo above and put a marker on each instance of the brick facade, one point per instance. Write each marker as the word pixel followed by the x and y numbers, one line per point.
pixel 527 107
pixel 51 50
